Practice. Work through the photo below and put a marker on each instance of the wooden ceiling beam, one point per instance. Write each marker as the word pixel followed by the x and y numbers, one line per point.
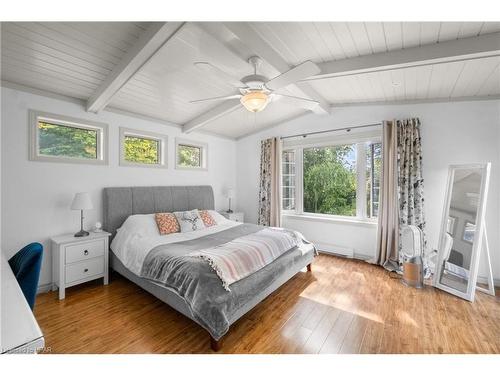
pixel 482 46
pixel 148 44
pixel 212 114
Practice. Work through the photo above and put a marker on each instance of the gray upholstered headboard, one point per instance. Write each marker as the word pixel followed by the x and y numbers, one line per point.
pixel 121 202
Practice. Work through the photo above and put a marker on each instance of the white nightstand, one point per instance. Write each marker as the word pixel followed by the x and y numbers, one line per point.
pixel 76 260
pixel 235 216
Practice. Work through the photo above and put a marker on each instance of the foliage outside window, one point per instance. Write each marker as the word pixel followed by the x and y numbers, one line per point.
pixel 191 155
pixel 330 180
pixel 337 179
pixel 64 139
pixel 67 141
pixel 142 149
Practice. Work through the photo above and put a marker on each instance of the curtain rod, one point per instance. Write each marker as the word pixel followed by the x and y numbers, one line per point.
pixel 347 129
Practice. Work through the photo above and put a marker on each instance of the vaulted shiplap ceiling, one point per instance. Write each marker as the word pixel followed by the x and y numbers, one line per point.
pixel 74 59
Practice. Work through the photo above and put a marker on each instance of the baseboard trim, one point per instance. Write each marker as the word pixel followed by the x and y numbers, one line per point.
pixel 44 288
pixel 335 250
pixel 484 280
pixel 351 255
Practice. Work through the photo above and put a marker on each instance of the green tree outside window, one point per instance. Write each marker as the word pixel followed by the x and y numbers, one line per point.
pixel 66 141
pixel 141 150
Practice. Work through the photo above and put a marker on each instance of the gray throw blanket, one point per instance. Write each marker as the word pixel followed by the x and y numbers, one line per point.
pixel 194 280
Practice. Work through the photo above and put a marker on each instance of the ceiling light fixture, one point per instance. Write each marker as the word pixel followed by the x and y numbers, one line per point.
pixel 255 100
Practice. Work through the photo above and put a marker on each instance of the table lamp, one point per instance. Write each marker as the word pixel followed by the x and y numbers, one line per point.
pixel 81 202
pixel 230 195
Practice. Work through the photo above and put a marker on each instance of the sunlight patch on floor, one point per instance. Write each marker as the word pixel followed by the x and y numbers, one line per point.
pixel 344 303
pixel 405 318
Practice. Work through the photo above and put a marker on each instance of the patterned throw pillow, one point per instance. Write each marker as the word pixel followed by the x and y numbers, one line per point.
pixel 189 220
pixel 167 223
pixel 208 220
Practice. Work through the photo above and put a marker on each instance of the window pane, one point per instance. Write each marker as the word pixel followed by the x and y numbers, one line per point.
pixel 330 180
pixel 288 180
pixel 189 156
pixel 66 141
pixel 142 150
pixel 373 173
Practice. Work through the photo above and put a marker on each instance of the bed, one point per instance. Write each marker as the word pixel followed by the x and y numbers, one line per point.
pixel 220 308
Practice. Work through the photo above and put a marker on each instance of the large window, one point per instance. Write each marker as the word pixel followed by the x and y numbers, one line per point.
pixel 339 179
pixel 330 180
pixel 143 149
pixel 191 155
pixel 64 139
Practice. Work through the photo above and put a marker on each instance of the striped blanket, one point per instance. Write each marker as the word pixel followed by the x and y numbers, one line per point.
pixel 234 260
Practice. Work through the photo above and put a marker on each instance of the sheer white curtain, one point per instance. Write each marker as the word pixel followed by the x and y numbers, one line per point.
pixel 388 218
pixel 402 191
pixel 270 174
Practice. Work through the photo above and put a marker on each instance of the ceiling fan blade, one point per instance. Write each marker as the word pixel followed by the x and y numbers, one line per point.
pixel 217 98
pixel 219 73
pixel 301 71
pixel 309 104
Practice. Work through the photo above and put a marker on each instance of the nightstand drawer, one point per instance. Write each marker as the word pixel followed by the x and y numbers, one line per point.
pixel 76 253
pixel 82 270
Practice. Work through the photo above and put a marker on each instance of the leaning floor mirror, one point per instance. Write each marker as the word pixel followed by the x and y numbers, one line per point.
pixel 463 239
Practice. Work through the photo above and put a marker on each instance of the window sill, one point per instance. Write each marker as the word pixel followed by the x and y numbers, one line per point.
pixel 330 219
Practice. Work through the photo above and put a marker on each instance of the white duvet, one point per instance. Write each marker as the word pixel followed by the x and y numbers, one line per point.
pixel 139 235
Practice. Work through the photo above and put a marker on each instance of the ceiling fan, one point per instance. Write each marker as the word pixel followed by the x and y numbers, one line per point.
pixel 256 91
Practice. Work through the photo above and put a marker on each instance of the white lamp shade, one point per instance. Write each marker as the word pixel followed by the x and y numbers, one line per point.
pixel 82 201
pixel 230 193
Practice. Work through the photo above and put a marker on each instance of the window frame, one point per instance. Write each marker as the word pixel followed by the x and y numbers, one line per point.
pixel 359 139
pixel 102 157
pixel 203 157
pixel 162 145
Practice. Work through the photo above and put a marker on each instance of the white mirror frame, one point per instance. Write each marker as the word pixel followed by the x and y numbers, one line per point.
pixel 478 237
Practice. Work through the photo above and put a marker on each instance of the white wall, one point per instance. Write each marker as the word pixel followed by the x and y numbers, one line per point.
pixel 36 195
pixel 452 133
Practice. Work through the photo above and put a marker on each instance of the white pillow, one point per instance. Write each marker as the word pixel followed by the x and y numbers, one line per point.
pixel 219 219
pixel 189 221
pixel 143 225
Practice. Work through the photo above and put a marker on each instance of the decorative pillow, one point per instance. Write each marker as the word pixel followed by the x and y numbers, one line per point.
pixel 167 223
pixel 189 220
pixel 208 220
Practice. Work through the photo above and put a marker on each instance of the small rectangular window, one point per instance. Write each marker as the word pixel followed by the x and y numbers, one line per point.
pixel 288 180
pixel 144 149
pixel 64 139
pixel 191 155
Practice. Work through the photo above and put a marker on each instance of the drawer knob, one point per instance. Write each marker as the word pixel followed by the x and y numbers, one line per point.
pixel 85 252
pixel 86 270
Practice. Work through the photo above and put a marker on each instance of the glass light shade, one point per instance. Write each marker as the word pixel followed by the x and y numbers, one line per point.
pixel 82 201
pixel 230 193
pixel 255 101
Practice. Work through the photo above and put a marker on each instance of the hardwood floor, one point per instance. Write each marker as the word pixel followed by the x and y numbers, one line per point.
pixel 343 306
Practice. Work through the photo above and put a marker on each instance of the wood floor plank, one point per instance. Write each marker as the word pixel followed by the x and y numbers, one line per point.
pixel 343 306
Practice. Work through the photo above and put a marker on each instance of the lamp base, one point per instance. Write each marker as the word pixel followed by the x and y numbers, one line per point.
pixel 229 211
pixel 82 233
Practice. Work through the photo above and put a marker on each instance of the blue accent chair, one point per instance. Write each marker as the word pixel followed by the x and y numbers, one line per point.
pixel 26 267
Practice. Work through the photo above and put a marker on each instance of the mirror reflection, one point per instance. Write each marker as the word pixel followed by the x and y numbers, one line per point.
pixel 457 244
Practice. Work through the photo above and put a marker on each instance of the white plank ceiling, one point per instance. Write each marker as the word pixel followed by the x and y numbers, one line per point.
pixel 73 59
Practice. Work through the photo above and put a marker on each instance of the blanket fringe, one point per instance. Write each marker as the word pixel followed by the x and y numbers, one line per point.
pixel 216 268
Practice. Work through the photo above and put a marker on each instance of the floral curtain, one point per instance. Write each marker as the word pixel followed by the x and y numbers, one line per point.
pixel 402 196
pixel 269 193
pixel 410 180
